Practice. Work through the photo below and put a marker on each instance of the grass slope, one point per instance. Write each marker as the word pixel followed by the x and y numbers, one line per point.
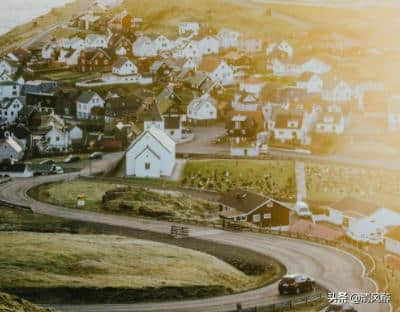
pixel 9 303
pixel 130 201
pixel 98 261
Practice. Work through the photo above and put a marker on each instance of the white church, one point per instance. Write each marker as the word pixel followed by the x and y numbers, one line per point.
pixel 151 154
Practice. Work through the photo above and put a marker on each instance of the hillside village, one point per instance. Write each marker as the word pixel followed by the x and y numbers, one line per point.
pixel 112 81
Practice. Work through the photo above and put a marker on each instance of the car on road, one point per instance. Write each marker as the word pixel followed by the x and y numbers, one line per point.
pixel 47 162
pixel 96 155
pixel 336 307
pixel 59 170
pixel 296 284
pixel 71 159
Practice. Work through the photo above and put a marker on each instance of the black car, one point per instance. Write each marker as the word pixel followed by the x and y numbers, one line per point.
pixel 345 307
pixel 96 155
pixel 47 162
pixel 296 284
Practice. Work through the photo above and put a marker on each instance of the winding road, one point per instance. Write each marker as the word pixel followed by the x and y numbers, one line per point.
pixel 333 269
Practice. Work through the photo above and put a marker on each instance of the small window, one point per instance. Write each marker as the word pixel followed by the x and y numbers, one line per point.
pixel 267 216
pixel 256 218
pixel 147 166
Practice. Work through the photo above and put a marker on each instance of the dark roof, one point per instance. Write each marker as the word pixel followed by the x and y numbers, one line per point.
pixel 85 97
pixel 45 87
pixel 122 105
pixel 394 233
pixel 242 200
pixel 354 204
pixel 153 113
pixel 172 122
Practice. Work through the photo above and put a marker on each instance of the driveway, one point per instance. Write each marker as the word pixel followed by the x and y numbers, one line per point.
pixel 202 142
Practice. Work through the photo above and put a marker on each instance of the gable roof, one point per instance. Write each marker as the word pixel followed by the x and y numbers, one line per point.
pixel 86 96
pixel 160 136
pixel 242 200
pixel 121 62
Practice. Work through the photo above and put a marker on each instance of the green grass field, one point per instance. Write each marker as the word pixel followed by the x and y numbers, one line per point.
pixel 132 201
pixel 98 261
pixel 272 177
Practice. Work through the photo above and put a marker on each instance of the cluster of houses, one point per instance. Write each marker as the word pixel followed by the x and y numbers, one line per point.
pixel 143 80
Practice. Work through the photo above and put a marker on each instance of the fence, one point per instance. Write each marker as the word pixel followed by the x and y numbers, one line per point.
pixel 178 231
pixel 283 305
pixel 230 225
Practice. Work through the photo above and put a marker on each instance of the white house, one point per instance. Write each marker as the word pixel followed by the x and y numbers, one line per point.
pixel 9 110
pixel 217 70
pixel 69 57
pixel 47 52
pixel 85 103
pixel 393 113
pixel 76 43
pixel 372 229
pixel 228 38
pixel 11 149
pixel 202 108
pixel 283 47
pixel 288 126
pixel 96 41
pixel 124 67
pixel 330 123
pixel 250 45
pixel 311 82
pixel 151 154
pixel 57 139
pixel 7 67
pixel 189 50
pixel 144 47
pixel 9 89
pixel 162 43
pixel 75 133
pixel 246 102
pixel 392 240
pixel 336 91
pixel 208 45
pixel 189 27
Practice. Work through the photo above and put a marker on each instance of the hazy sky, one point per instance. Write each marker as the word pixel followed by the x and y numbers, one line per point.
pixel 15 12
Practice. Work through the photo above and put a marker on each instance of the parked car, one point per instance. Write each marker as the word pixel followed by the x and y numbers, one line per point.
pixel 47 162
pixel 296 284
pixel 302 209
pixel 345 307
pixel 96 155
pixel 71 159
pixel 59 170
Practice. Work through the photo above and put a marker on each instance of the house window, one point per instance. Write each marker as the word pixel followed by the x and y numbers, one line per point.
pixel 147 166
pixel 57 138
pixel 267 215
pixel 172 132
pixel 256 218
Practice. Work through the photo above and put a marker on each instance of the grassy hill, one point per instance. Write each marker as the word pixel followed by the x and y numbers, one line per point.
pixel 10 303
pixel 106 268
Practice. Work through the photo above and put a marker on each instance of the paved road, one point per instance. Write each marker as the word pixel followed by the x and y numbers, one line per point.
pixel 331 268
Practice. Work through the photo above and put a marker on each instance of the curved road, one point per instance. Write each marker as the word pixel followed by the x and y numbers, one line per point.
pixel 331 268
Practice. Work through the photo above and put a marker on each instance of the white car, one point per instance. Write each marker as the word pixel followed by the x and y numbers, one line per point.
pixel 302 209
pixel 59 170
